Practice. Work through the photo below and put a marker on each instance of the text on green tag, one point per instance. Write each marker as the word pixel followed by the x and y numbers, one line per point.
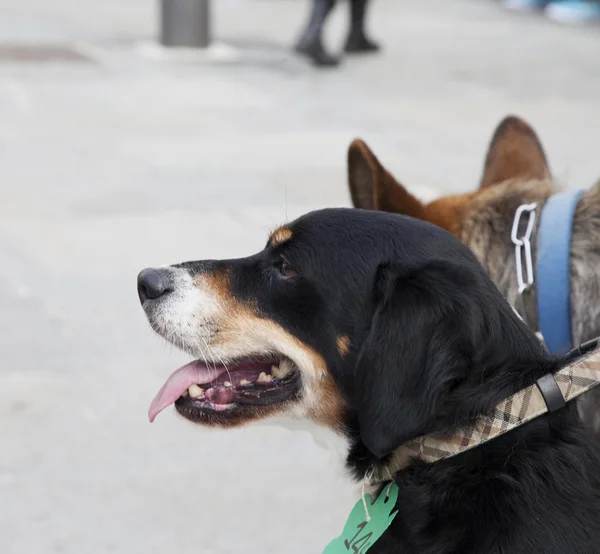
pixel 359 535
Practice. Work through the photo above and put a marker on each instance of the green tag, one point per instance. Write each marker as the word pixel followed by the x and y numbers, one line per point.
pixel 359 535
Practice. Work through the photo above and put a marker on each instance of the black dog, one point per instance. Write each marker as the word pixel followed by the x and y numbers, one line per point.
pixel 311 40
pixel 384 328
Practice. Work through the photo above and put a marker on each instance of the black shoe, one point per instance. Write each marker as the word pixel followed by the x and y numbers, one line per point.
pixel 359 43
pixel 317 54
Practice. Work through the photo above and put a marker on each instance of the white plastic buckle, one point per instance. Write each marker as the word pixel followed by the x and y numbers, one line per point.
pixel 523 245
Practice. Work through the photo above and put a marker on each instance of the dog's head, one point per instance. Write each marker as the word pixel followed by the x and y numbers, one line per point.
pixel 378 326
pixel 515 152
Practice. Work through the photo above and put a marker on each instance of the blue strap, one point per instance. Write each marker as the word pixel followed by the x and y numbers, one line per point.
pixel 554 270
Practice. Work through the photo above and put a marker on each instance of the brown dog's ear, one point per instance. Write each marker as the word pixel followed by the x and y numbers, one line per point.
pixel 515 151
pixel 373 188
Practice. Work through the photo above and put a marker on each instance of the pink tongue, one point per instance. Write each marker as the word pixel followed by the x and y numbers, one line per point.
pixel 179 382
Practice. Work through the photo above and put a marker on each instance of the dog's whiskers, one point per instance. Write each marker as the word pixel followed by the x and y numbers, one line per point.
pixel 225 366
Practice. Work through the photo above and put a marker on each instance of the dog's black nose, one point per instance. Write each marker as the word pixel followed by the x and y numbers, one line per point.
pixel 152 283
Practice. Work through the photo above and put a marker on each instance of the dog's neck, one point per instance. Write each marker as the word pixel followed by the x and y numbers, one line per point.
pixel 487 231
pixel 570 382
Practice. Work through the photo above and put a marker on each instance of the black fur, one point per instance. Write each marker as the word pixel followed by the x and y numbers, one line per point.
pixel 434 345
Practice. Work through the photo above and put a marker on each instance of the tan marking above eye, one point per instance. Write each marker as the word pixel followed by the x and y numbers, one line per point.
pixel 280 236
pixel 343 345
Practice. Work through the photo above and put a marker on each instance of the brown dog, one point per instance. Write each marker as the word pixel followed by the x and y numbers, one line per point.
pixel 515 172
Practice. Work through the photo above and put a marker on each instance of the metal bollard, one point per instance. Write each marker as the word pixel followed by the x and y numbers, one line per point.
pixel 185 23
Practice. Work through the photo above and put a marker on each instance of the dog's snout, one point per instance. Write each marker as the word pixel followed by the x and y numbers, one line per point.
pixel 153 283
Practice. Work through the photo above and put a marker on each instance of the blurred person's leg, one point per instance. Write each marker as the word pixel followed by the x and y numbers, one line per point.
pixel 311 39
pixel 357 39
pixel 574 11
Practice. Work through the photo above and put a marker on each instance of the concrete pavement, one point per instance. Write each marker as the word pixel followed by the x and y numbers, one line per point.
pixel 123 161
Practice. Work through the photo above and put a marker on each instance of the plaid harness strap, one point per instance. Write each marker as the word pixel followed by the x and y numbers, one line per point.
pixel 573 380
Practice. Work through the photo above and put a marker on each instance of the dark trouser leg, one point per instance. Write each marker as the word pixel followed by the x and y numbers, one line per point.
pixel 310 43
pixel 357 40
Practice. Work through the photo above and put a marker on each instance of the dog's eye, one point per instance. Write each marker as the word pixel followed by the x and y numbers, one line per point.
pixel 286 270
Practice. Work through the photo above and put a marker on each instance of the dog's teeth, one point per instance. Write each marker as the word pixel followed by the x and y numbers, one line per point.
pixel 244 382
pixel 195 391
pixel 285 366
pixel 227 384
pixel 277 372
pixel 264 378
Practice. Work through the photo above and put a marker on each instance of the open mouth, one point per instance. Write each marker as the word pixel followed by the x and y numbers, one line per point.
pixel 198 388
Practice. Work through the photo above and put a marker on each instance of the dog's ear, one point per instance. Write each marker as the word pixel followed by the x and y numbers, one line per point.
pixel 514 152
pixel 417 349
pixel 372 187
